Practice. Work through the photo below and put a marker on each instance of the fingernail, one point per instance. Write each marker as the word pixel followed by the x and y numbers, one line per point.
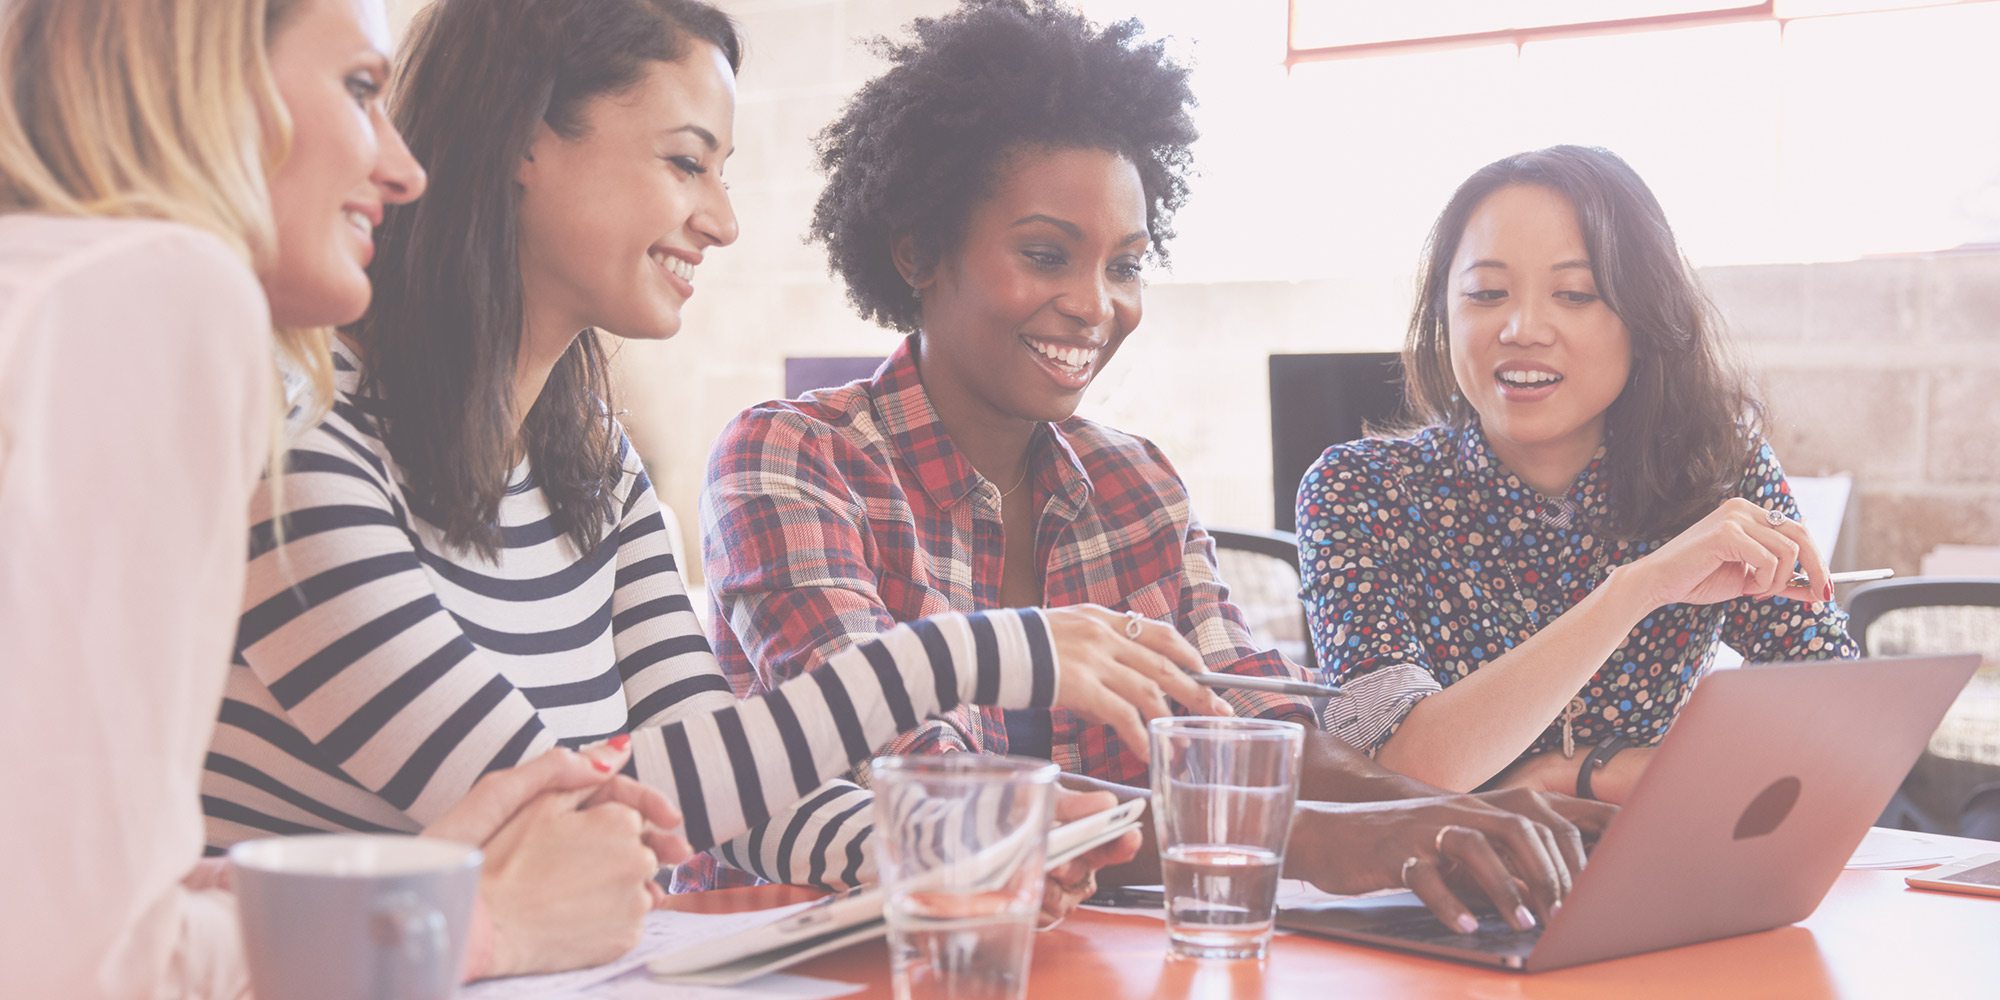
pixel 1467 923
pixel 1826 592
pixel 1524 918
pixel 1555 908
pixel 619 742
pixel 601 766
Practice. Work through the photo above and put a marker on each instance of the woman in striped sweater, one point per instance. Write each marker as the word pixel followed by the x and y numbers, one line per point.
pixel 474 566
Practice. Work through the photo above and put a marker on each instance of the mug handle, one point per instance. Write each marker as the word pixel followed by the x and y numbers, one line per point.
pixel 418 940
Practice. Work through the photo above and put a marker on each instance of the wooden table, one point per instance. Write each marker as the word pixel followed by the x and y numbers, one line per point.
pixel 1872 937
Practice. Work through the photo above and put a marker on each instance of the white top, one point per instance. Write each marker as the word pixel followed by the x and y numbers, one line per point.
pixel 136 403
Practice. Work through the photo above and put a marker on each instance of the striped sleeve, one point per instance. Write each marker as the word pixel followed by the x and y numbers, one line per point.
pixel 394 693
pixel 779 747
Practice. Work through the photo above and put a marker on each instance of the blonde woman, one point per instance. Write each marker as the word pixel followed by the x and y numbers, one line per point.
pixel 178 180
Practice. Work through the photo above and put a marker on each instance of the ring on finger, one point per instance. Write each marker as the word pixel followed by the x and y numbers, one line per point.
pixel 1408 863
pixel 1437 843
pixel 1134 624
pixel 1774 517
pixel 1085 886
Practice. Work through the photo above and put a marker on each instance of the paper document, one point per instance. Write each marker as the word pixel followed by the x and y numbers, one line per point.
pixel 1884 848
pixel 665 930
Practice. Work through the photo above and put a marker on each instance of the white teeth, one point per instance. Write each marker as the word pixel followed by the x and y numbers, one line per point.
pixel 359 221
pixel 1528 377
pixel 1068 357
pixel 679 267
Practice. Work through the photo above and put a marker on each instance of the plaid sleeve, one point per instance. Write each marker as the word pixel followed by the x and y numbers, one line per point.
pixel 788 559
pixel 1355 600
pixel 1216 628
pixel 1766 631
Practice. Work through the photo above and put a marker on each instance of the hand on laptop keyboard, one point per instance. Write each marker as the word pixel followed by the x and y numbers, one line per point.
pixel 1517 849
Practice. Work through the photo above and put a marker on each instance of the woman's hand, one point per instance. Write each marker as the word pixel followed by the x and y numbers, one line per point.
pixel 1733 552
pixel 1070 884
pixel 571 849
pixel 1111 677
pixel 1519 849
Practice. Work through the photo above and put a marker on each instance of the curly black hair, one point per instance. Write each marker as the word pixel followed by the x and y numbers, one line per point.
pixel 919 145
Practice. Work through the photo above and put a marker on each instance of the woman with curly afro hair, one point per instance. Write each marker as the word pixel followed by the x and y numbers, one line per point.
pixel 996 195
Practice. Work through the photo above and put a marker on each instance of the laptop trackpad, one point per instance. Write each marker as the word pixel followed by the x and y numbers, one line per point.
pixel 1402 921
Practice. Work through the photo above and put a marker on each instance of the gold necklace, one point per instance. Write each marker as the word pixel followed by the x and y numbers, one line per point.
pixel 1009 491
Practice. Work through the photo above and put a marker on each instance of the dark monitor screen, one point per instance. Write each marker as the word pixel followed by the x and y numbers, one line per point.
pixel 1320 400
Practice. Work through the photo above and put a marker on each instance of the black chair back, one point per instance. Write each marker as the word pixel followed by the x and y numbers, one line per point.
pixel 1870 601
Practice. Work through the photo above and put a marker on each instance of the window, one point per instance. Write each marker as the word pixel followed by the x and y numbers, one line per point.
pixel 1804 132
pixel 1327 26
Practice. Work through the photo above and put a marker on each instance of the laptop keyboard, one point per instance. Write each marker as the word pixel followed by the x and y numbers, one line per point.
pixel 1493 935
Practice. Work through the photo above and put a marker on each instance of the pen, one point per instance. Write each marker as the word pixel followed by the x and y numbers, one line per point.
pixel 1273 685
pixel 1850 576
pixel 1132 896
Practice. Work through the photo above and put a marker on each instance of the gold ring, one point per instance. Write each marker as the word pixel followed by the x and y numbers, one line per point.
pixel 1437 843
pixel 1774 517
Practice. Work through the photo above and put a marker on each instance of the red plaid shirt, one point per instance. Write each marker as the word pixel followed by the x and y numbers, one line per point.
pixel 840 514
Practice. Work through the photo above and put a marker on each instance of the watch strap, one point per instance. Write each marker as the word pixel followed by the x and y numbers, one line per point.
pixel 1598 757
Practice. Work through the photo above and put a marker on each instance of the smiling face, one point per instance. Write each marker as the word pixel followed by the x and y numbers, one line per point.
pixel 614 220
pixel 345 161
pixel 1043 288
pixel 1535 350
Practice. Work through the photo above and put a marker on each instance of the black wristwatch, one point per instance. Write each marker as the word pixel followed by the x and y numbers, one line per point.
pixel 1597 759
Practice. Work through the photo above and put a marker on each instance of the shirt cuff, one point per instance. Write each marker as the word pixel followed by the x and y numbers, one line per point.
pixel 1371 707
pixel 1267 704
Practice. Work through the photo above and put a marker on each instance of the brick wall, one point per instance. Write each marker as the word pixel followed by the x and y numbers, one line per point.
pixel 1888 369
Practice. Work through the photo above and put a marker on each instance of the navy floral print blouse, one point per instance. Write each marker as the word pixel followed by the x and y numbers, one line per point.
pixel 1423 558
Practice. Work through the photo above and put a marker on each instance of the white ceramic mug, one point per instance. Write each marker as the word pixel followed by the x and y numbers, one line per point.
pixel 349 915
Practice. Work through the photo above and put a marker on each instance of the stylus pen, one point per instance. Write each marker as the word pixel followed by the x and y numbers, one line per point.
pixel 1216 679
pixel 1851 576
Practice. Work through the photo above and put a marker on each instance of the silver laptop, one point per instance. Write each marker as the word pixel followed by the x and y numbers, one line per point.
pixel 1760 793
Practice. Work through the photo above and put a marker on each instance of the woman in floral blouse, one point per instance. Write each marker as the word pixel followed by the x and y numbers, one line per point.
pixel 1533 581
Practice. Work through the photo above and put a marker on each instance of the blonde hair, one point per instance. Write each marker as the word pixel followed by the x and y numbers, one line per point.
pixel 158 109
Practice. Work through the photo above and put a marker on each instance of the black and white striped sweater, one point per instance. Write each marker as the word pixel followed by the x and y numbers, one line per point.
pixel 379 672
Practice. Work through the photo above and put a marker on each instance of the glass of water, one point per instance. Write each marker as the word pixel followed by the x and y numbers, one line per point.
pixel 959 841
pixel 1223 790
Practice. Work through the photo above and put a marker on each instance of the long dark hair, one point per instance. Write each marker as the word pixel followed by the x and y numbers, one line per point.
pixel 1669 458
pixel 444 332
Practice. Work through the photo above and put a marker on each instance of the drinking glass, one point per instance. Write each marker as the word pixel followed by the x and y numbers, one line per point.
pixel 1223 790
pixel 960 840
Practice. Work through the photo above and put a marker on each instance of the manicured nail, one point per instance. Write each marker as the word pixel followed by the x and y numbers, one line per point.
pixel 1467 923
pixel 1555 908
pixel 1826 593
pixel 601 766
pixel 1524 918
pixel 619 742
